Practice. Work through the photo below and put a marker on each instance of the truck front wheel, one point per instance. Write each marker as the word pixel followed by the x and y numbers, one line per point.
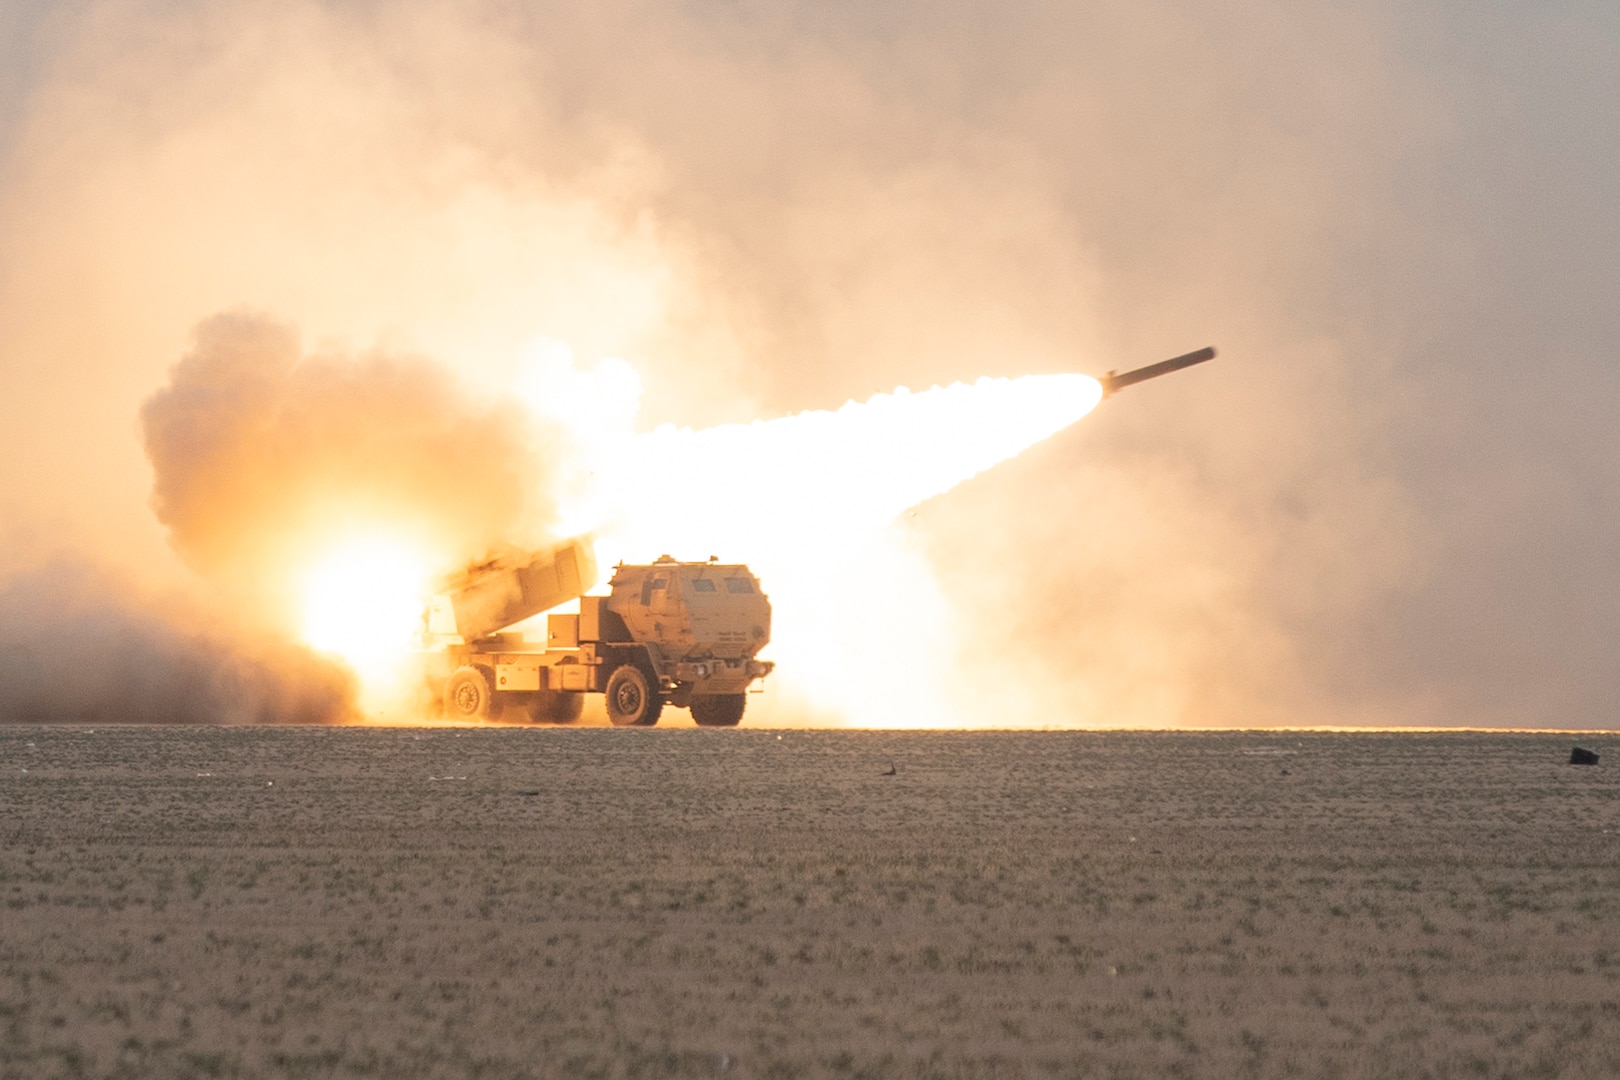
pixel 467 695
pixel 718 710
pixel 632 700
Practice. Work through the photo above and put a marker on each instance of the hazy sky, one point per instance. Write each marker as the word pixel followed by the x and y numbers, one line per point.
pixel 1391 500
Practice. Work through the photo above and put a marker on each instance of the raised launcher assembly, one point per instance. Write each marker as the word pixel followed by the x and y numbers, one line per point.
pixel 490 596
pixel 681 633
pixel 1114 382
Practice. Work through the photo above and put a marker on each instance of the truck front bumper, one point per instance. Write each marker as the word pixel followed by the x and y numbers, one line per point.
pixel 719 676
pixel 696 671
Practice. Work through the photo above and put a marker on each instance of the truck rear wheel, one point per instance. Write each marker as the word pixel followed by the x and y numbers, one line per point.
pixel 718 710
pixel 556 707
pixel 632 699
pixel 467 696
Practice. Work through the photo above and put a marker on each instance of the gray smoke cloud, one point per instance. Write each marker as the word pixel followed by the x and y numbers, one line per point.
pixel 1391 500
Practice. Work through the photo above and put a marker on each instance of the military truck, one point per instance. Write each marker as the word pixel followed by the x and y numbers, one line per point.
pixel 680 633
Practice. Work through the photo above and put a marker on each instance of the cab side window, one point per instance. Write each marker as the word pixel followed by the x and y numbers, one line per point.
pixel 739 585
pixel 702 585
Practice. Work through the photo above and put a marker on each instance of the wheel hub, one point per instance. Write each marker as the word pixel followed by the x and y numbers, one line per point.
pixel 628 699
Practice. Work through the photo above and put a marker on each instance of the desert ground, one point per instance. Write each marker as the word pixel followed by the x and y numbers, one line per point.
pixel 512 902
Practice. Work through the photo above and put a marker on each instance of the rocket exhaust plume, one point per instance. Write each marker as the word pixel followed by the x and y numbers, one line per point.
pixel 823 474
pixel 826 473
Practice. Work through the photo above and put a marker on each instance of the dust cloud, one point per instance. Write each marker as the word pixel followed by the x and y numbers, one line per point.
pixel 79 645
pixel 1390 501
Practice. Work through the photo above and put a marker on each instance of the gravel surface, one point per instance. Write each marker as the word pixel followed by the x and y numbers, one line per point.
pixel 513 902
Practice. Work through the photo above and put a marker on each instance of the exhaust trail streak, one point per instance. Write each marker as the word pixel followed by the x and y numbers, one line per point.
pixel 827 473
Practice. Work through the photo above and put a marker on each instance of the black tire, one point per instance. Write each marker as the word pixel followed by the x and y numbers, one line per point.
pixel 468 696
pixel 633 699
pixel 718 710
pixel 556 707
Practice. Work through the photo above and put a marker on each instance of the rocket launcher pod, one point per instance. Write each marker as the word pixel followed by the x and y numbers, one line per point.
pixel 493 595
pixel 1114 382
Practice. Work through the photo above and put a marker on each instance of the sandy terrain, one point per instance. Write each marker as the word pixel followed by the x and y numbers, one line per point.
pixel 544 902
